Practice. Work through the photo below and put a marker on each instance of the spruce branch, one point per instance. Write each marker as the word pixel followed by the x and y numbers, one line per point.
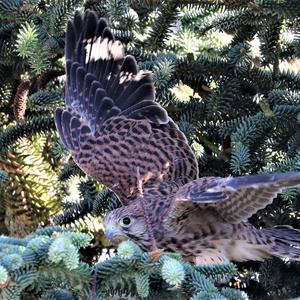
pixel 58 15
pixel 30 127
pixel 44 100
pixel 4 177
pixel 27 40
pixel 29 46
pixel 137 274
pixel 47 76
pixel 286 8
pixel 27 266
pixel 160 30
pixel 10 7
pixel 70 169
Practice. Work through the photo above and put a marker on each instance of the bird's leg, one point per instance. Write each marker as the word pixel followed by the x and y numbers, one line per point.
pixel 145 212
pixel 156 254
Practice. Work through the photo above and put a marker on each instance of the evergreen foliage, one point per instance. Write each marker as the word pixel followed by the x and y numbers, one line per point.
pixel 137 273
pixel 228 74
pixel 40 265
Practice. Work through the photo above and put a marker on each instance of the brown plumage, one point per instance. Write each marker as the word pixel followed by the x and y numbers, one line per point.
pixel 119 135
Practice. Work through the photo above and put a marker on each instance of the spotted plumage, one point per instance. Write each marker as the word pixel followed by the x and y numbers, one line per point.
pixel 120 136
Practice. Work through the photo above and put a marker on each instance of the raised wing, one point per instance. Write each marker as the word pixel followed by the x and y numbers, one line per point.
pixel 233 199
pixel 112 125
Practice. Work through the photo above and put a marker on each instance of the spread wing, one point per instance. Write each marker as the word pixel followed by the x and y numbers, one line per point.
pixel 233 199
pixel 111 124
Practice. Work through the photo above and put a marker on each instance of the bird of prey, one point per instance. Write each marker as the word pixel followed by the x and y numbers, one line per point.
pixel 119 135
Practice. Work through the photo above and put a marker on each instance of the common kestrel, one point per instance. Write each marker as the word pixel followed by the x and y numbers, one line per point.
pixel 120 136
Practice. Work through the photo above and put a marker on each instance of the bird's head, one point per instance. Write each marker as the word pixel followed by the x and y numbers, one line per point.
pixel 126 223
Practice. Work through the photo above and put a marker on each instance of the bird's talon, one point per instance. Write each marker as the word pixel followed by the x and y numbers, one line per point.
pixel 156 254
pixel 5 283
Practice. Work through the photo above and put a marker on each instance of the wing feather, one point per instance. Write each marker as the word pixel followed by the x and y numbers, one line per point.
pixel 234 199
pixel 112 124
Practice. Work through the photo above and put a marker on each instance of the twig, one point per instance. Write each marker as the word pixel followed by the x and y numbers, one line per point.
pixel 94 287
pixel 145 212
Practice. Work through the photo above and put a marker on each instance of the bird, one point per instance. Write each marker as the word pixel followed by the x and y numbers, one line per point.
pixel 120 136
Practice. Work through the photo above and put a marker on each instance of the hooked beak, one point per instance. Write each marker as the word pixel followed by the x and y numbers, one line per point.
pixel 114 235
pixel 111 233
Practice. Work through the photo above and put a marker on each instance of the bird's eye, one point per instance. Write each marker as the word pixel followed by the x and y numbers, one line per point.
pixel 126 221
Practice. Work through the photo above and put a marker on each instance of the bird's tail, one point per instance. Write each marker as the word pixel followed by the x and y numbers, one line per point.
pixel 283 241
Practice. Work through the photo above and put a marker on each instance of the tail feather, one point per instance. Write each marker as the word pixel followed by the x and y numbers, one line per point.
pixel 283 241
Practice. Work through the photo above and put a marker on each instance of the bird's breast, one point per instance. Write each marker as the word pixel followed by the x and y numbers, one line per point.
pixel 190 239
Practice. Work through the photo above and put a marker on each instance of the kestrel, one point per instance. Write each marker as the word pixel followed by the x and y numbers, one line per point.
pixel 120 136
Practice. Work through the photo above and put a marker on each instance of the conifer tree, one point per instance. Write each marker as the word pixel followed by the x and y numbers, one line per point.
pixel 226 72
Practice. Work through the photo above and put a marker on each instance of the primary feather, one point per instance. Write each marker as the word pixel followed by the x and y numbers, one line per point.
pixel 112 124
